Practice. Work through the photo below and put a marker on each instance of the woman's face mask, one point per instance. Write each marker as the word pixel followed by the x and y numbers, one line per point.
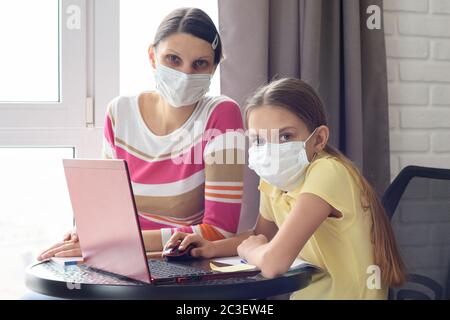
pixel 178 88
pixel 282 165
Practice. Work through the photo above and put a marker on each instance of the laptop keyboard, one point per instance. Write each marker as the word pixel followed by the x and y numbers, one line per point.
pixel 84 274
pixel 161 268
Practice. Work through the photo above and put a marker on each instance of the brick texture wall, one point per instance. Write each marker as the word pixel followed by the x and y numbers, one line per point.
pixel 418 57
pixel 418 50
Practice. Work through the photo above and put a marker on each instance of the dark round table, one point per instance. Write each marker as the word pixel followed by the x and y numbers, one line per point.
pixel 80 282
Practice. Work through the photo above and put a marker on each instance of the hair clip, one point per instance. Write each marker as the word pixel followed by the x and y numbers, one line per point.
pixel 215 42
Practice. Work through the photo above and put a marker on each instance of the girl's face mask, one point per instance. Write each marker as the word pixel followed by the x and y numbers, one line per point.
pixel 282 165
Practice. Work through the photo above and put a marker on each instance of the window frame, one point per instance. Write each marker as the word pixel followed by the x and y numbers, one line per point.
pixel 72 83
pixel 63 123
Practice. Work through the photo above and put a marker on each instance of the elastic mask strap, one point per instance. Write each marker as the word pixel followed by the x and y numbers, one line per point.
pixel 310 137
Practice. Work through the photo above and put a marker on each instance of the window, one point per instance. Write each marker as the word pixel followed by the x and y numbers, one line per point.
pixel 43 89
pixel 35 209
pixel 30 66
pixel 139 20
pixel 55 54
pixel 43 74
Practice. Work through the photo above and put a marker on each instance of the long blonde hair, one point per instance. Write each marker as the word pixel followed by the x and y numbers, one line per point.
pixel 301 99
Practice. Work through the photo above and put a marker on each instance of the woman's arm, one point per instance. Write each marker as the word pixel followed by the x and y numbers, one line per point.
pixel 152 240
pixel 275 257
pixel 225 247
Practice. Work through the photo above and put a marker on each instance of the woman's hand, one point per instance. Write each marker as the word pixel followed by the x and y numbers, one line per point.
pixel 71 235
pixel 69 247
pixel 246 249
pixel 203 248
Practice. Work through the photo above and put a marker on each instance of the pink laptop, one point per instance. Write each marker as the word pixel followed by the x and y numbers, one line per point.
pixel 108 225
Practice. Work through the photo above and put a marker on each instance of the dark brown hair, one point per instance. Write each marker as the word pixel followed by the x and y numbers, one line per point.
pixel 192 21
pixel 301 99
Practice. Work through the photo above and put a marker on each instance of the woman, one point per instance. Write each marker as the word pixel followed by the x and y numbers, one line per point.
pixel 173 140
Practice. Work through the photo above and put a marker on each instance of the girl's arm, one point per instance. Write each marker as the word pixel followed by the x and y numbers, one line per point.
pixel 276 256
pixel 228 247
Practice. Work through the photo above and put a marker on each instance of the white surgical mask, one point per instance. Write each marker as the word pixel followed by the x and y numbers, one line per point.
pixel 178 88
pixel 280 164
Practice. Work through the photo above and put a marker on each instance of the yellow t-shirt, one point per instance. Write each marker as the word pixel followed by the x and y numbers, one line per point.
pixel 342 246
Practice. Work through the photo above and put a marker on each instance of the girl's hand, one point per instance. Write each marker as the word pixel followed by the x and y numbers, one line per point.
pixel 249 245
pixel 203 248
pixel 69 247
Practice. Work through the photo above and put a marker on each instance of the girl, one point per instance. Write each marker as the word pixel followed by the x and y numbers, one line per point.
pixel 314 203
pixel 172 140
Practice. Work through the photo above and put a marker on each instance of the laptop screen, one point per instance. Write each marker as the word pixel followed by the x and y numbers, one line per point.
pixel 106 218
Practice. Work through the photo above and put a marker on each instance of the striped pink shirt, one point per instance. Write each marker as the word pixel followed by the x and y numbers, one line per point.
pixel 181 181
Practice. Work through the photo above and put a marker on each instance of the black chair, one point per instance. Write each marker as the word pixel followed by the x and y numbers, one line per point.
pixel 422 285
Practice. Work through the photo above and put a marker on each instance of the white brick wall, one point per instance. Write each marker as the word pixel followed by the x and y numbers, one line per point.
pixel 418 60
pixel 440 6
pixel 418 51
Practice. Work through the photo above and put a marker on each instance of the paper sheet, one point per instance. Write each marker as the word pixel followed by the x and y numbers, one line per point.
pixel 230 260
pixel 232 268
pixel 238 264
